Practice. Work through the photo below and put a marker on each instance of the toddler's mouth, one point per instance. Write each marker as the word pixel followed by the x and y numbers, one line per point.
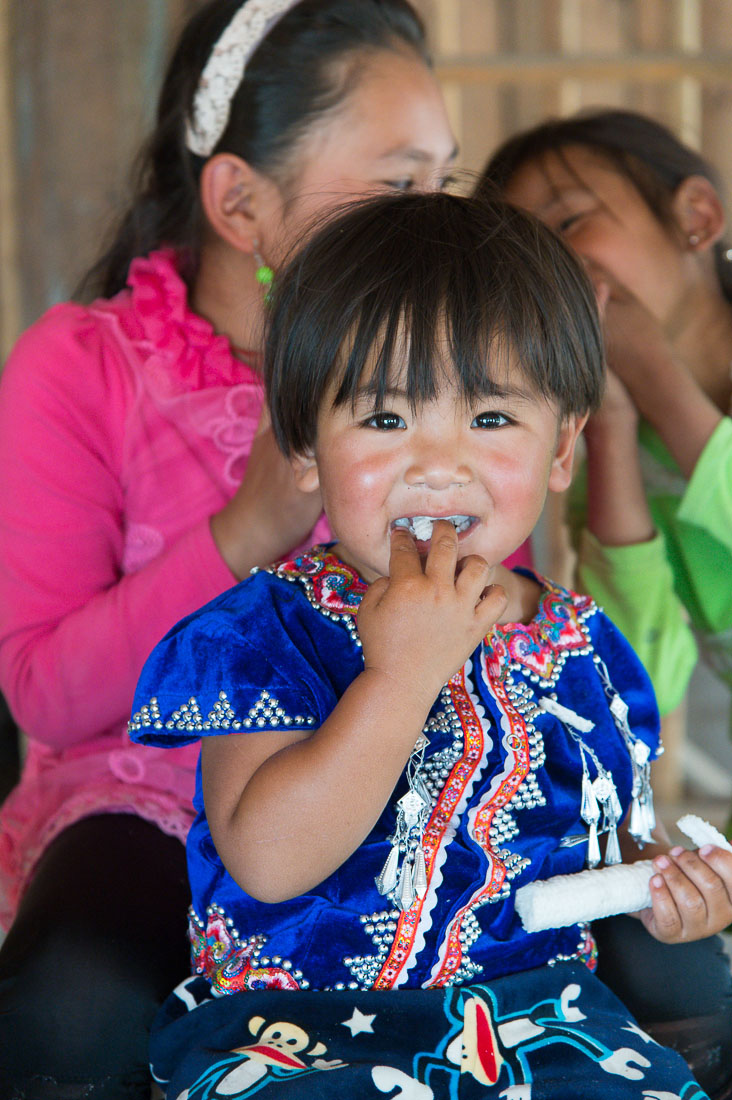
pixel 421 526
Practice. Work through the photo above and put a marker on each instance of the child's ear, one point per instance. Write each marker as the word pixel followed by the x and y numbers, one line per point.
pixel 699 212
pixel 305 469
pixel 570 430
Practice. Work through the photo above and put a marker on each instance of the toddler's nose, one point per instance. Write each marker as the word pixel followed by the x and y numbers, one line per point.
pixel 437 467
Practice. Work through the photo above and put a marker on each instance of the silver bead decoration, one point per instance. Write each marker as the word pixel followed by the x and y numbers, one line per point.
pixel 265 714
pixel 346 618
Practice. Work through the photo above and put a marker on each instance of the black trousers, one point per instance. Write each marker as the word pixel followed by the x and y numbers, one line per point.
pixel 680 993
pixel 100 941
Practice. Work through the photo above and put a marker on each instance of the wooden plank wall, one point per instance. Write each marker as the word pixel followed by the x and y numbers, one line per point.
pixel 506 64
pixel 78 79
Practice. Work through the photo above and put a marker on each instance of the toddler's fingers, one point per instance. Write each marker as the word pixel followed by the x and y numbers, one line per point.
pixel 490 608
pixel 689 900
pixel 443 551
pixel 372 596
pixel 663 919
pixel 711 873
pixel 720 860
pixel 474 576
pixel 404 559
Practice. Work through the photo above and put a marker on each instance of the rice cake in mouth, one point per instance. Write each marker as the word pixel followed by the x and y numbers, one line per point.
pixel 421 526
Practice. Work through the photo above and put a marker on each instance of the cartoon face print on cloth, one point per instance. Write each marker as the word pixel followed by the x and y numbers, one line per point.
pixel 544 1034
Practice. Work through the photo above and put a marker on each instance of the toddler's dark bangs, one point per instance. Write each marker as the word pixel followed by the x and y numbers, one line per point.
pixel 421 346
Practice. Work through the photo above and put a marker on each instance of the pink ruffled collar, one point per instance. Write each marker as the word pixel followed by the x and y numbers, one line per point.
pixel 184 345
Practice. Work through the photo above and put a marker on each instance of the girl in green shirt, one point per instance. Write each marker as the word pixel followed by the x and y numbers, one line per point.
pixel 653 507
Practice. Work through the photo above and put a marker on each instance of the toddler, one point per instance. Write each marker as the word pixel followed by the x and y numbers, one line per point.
pixel 398 732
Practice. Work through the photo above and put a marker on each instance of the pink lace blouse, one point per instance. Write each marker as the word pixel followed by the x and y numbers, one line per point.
pixel 123 427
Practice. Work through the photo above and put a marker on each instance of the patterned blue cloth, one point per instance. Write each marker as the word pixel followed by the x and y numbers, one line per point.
pixel 504 778
pixel 555 1033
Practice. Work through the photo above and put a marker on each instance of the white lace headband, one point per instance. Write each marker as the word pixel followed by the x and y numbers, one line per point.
pixel 225 69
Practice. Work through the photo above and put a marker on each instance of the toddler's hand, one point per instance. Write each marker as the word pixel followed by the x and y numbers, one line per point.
pixel 691 894
pixel 421 623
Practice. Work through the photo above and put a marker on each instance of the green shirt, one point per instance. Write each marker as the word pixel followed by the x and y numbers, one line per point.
pixel 671 596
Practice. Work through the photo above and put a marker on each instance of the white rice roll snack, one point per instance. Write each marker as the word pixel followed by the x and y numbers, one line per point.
pixel 585 896
pixel 603 892
pixel 700 832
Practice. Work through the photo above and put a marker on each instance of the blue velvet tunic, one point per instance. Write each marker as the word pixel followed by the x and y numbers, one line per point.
pixel 504 777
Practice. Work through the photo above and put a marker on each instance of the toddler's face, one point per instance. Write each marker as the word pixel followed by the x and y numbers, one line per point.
pixel 486 467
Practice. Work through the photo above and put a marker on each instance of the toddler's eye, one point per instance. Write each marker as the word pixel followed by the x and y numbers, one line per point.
pixel 400 185
pixel 490 420
pixel 385 422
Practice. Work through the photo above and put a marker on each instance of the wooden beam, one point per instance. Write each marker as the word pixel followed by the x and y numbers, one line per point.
pixel 640 68
pixel 690 92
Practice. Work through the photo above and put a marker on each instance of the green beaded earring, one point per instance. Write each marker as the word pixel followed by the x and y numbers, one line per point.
pixel 264 275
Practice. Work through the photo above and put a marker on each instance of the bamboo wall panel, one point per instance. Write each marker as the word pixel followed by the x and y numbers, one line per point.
pixel 511 63
pixel 82 79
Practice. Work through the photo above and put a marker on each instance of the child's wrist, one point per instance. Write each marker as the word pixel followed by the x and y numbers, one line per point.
pixel 402 688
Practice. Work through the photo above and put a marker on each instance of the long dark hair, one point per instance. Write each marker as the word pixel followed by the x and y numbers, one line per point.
pixel 647 153
pixel 290 81
pixel 423 289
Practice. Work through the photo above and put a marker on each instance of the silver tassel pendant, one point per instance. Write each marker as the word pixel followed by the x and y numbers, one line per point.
pixel 387 880
pixel 593 846
pixel 642 815
pixel 412 812
pixel 612 848
pixel 636 826
pixel 419 873
pixel 590 814
pixel 649 811
pixel 589 810
pixel 406 893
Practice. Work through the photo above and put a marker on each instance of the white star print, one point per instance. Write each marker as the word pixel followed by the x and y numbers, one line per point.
pixel 359 1023
pixel 635 1030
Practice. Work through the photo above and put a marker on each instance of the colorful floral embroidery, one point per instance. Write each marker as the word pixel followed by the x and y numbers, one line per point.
pixel 434 838
pixel 231 965
pixel 333 584
pixel 542 645
pixel 501 866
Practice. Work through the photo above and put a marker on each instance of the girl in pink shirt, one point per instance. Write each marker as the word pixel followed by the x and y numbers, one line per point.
pixel 140 479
